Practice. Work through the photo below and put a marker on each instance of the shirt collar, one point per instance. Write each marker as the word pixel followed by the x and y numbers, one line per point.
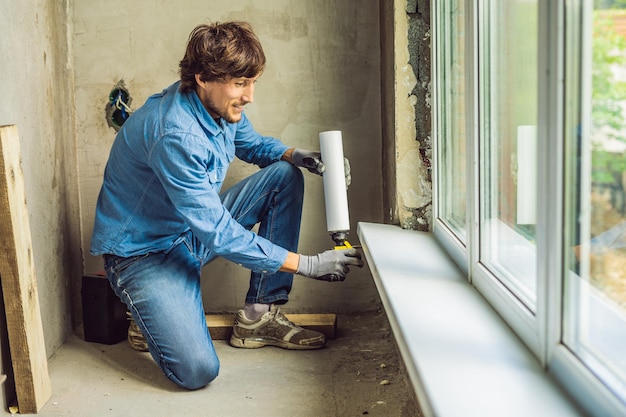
pixel 203 116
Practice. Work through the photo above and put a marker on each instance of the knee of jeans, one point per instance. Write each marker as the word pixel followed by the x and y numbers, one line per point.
pixel 197 373
pixel 288 170
pixel 291 174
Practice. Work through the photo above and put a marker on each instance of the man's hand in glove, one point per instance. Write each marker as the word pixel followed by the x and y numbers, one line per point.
pixel 332 265
pixel 312 161
pixel 308 159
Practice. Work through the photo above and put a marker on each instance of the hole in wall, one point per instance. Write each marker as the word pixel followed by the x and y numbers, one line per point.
pixel 118 109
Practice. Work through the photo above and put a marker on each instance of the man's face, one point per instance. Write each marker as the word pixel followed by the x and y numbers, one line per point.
pixel 226 99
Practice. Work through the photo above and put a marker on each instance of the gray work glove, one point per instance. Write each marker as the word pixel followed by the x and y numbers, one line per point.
pixel 308 159
pixel 331 265
pixel 312 161
pixel 346 170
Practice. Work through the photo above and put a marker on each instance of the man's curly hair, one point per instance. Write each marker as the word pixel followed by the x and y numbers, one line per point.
pixel 220 51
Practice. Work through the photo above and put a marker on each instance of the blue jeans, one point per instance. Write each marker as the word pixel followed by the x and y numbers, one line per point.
pixel 162 290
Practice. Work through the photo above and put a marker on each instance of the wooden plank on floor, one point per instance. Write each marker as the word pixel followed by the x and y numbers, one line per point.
pixel 221 325
pixel 19 284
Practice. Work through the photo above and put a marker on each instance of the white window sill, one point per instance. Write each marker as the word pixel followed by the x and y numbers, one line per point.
pixel 461 357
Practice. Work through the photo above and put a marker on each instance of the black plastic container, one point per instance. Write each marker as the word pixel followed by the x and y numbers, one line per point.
pixel 104 314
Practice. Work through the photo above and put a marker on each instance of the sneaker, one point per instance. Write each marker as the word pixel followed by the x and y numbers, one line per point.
pixel 136 339
pixel 273 329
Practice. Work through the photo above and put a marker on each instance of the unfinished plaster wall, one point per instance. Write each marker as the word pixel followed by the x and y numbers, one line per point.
pixel 322 74
pixel 37 96
pixel 411 206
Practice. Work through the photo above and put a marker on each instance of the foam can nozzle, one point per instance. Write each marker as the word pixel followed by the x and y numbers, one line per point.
pixel 340 238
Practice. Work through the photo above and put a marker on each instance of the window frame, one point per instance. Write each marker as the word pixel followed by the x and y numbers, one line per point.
pixel 542 330
pixel 452 243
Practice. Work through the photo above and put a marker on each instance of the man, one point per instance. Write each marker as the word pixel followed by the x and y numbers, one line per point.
pixel 160 215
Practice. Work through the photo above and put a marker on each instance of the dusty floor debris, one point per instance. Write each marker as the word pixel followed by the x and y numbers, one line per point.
pixel 342 380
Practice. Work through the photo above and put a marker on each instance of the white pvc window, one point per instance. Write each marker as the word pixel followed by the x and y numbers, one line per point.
pixel 594 286
pixel 452 198
pixel 508 145
pixel 530 130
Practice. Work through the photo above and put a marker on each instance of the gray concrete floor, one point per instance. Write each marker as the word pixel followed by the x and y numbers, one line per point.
pixel 358 373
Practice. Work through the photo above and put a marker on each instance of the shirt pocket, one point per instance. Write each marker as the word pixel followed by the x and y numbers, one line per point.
pixel 216 174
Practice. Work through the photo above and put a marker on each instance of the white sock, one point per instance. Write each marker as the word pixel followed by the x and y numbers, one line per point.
pixel 254 311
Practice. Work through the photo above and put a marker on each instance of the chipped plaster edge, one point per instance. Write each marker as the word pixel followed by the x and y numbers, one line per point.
pixel 413 191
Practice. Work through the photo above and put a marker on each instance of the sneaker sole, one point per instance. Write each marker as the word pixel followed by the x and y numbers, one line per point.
pixel 255 343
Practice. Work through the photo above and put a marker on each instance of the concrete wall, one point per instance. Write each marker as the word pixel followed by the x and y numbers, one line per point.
pixel 326 60
pixel 406 113
pixel 323 73
pixel 412 124
pixel 37 96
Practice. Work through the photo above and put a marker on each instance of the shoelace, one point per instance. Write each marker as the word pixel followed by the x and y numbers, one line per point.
pixel 280 318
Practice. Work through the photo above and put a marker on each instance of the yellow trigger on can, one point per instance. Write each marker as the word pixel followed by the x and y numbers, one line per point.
pixel 346 245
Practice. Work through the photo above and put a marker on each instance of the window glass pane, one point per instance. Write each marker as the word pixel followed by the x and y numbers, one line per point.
pixel 595 281
pixel 508 151
pixel 453 185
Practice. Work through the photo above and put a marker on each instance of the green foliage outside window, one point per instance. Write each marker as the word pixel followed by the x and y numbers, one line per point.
pixel 608 94
pixel 610 4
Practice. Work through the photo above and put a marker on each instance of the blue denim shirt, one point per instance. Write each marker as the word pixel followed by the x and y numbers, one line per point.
pixel 163 178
